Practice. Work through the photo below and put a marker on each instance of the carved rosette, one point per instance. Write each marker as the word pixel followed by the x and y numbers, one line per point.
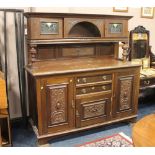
pixel 32 54
pixel 92 110
pixel 125 94
pixel 58 105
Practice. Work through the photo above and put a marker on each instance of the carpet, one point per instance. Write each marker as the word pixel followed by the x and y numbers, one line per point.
pixel 117 140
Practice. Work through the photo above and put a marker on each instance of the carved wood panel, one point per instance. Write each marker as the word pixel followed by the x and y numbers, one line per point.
pixel 126 86
pixel 94 109
pixel 57 100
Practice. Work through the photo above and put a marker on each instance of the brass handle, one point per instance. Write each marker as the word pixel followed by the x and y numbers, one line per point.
pixel 41 87
pixel 84 80
pixel 104 77
pixel 147 82
pixel 92 88
pixel 83 91
pixel 104 87
pixel 78 80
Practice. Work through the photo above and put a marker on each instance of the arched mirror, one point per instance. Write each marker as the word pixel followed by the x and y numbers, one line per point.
pixel 139 43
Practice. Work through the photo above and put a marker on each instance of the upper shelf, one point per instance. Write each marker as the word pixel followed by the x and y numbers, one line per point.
pixel 71 15
pixel 58 26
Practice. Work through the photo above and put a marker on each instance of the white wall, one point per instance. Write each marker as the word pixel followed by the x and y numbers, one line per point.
pixel 149 24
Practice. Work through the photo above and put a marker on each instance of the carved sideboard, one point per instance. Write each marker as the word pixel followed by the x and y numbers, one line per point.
pixel 75 79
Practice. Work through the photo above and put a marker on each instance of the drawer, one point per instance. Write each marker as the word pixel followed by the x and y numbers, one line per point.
pixel 93 89
pixel 92 79
pixel 147 82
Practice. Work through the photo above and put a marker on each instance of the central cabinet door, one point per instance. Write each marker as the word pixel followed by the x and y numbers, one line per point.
pixel 92 110
pixel 57 103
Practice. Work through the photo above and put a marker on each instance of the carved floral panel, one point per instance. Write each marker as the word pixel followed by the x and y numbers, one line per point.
pixel 94 109
pixel 125 93
pixel 58 104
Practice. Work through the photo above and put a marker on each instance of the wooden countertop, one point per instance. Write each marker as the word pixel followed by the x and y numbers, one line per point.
pixel 60 66
pixel 143 132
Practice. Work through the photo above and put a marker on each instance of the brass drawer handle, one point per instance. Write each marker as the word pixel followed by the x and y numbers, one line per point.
pixel 83 91
pixel 104 77
pixel 147 82
pixel 104 87
pixel 78 80
pixel 84 80
pixel 92 88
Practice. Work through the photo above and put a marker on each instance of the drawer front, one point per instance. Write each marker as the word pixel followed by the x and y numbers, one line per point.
pixel 94 89
pixel 92 110
pixel 147 82
pixel 91 79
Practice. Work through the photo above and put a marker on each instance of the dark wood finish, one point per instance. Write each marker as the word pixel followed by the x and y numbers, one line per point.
pixel 34 30
pixel 83 27
pixel 122 33
pixel 140 48
pixel 139 43
pixel 146 82
pixel 93 109
pixel 58 111
pixel 76 79
pixel 125 91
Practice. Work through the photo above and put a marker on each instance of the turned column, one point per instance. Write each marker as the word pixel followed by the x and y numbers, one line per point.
pixel 32 54
pixel 125 53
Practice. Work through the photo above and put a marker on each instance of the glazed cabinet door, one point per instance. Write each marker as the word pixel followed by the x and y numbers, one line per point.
pixel 57 104
pixel 116 28
pixel 125 93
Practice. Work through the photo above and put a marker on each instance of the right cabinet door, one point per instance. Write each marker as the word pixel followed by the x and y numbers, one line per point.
pixel 116 28
pixel 126 92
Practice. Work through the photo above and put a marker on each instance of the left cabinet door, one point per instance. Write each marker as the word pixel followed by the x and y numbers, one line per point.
pixel 57 104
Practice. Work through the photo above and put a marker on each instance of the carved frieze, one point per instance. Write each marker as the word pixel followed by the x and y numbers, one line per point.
pixel 94 109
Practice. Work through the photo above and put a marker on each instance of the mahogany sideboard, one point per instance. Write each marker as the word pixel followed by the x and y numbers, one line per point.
pixel 75 79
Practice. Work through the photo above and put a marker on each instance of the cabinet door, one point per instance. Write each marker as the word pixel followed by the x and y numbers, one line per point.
pixel 116 28
pixel 57 98
pixel 45 28
pixel 92 110
pixel 125 94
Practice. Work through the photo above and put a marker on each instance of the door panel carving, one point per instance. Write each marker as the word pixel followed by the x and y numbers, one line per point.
pixel 57 96
pixel 125 93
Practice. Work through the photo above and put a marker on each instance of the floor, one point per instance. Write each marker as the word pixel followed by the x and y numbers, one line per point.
pixel 25 137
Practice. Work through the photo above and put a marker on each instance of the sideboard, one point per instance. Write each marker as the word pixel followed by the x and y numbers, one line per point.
pixel 75 78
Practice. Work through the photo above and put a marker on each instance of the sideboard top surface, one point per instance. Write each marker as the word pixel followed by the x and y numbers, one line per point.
pixel 63 66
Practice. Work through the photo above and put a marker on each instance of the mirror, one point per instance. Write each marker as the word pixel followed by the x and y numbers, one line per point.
pixel 139 43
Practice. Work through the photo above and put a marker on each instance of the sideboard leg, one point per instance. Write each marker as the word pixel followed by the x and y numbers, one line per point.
pixel 43 143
